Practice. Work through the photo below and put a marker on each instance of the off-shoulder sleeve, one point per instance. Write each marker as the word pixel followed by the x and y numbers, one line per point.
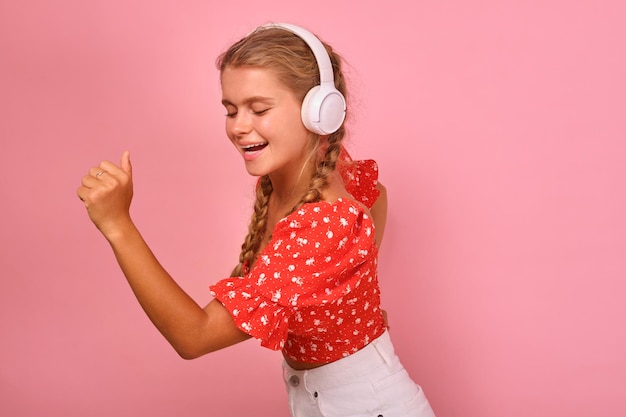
pixel 310 260
pixel 359 177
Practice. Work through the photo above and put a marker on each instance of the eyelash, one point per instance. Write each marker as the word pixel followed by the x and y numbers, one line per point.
pixel 256 113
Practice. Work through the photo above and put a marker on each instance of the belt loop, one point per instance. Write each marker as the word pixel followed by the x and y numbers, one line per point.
pixel 379 345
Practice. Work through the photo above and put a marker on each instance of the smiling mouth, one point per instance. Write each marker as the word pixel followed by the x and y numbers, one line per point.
pixel 254 148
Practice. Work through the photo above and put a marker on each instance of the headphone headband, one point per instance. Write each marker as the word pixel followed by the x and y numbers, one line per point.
pixel 324 107
pixel 321 56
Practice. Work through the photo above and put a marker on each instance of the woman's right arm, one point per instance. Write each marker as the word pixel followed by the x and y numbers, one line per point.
pixel 379 213
pixel 190 329
pixel 379 216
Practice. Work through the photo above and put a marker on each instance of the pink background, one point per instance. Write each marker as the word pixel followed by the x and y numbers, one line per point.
pixel 499 128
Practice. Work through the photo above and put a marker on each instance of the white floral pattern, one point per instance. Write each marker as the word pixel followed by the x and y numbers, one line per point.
pixel 313 291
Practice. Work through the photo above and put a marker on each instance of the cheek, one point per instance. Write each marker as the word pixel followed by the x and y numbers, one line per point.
pixel 231 137
pixel 290 123
pixel 228 128
pixel 267 124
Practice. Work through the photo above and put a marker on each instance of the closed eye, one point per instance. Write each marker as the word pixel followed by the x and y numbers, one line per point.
pixel 260 112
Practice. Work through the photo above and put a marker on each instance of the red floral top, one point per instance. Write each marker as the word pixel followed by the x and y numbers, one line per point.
pixel 313 291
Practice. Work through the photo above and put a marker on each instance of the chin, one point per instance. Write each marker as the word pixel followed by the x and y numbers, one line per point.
pixel 256 171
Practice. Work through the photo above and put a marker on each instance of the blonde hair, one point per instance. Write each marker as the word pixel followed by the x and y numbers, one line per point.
pixel 293 63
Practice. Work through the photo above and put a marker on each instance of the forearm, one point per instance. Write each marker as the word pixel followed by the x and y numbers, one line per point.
pixel 176 315
pixel 193 331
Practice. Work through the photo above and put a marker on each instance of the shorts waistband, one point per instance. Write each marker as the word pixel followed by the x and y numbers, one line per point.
pixel 378 352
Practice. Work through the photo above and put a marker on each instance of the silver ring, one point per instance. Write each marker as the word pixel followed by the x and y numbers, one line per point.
pixel 99 174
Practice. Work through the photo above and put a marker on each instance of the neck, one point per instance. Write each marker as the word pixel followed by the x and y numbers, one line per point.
pixel 289 189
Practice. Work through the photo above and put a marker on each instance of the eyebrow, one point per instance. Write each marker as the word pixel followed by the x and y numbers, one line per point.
pixel 253 99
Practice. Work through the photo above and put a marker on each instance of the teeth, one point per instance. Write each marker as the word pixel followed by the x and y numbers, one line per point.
pixel 254 147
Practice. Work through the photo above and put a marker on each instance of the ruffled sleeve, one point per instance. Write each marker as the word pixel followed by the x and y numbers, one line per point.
pixel 311 260
pixel 359 177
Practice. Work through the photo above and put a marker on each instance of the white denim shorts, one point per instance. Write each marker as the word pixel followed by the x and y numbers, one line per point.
pixel 369 383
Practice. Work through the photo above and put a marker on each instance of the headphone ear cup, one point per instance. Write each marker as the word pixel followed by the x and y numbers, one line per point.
pixel 323 110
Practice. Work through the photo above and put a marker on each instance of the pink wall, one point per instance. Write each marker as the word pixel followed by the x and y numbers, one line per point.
pixel 499 128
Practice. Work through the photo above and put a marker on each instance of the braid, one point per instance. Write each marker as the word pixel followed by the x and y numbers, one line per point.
pixel 258 223
pixel 257 226
pixel 293 63
pixel 327 165
pixel 324 168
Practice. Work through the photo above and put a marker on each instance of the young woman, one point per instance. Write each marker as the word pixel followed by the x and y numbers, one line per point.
pixel 306 282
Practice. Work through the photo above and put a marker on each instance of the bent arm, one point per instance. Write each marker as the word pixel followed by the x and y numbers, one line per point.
pixel 190 329
pixel 193 331
pixel 379 213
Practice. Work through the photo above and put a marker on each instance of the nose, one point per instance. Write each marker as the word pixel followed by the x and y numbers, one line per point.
pixel 241 124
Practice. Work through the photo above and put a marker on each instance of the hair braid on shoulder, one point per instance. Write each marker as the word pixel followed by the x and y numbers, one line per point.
pixel 325 167
pixel 257 226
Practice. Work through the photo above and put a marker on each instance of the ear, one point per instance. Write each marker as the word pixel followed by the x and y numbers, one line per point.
pixel 323 109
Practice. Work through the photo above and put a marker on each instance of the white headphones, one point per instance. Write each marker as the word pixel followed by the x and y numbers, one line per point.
pixel 323 107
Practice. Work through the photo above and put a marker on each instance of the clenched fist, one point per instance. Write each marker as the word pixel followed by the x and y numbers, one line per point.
pixel 107 191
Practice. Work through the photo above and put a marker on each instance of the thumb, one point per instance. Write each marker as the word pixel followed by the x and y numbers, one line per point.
pixel 125 163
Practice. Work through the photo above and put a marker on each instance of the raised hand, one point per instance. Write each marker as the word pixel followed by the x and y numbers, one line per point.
pixel 107 191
